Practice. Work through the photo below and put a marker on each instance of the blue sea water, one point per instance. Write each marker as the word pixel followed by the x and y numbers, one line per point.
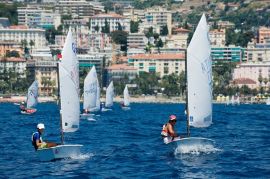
pixel 127 144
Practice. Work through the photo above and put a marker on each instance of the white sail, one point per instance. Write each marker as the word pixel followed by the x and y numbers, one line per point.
pixel 109 95
pixel 32 95
pixel 199 77
pixel 126 96
pixel 268 101
pixel 90 90
pixel 69 86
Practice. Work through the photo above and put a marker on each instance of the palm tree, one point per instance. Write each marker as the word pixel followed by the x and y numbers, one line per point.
pixel 32 43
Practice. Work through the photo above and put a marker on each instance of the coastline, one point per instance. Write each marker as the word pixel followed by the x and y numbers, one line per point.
pixel 140 99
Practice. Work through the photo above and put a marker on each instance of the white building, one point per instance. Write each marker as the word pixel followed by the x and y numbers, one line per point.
pixel 257 52
pixel 35 16
pixel 217 37
pixel 19 33
pixel 76 8
pixel 14 64
pixel 98 22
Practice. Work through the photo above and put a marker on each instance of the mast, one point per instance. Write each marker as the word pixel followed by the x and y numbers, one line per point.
pixel 187 111
pixel 59 103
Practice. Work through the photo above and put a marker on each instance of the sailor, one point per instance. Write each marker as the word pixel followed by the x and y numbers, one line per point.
pixel 37 141
pixel 22 106
pixel 168 133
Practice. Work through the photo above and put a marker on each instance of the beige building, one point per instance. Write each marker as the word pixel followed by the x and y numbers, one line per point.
pixel 263 35
pixel 44 69
pixel 218 37
pixel 178 39
pixel 6 46
pixel 257 53
pixel 19 33
pixel 120 71
pixel 163 64
pixel 133 14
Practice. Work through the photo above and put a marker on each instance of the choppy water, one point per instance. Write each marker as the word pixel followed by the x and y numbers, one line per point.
pixel 127 144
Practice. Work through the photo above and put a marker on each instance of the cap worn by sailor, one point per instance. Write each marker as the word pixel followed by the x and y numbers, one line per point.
pixel 172 117
pixel 41 126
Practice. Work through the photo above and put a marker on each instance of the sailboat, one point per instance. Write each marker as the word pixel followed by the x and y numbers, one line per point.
pixel 199 84
pixel 109 98
pixel 69 103
pixel 268 101
pixel 32 99
pixel 91 94
pixel 125 104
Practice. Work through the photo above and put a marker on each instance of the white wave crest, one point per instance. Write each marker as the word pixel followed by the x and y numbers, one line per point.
pixel 91 119
pixel 82 156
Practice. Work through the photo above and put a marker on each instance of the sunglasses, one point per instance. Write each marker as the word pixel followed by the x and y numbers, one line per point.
pixel 173 120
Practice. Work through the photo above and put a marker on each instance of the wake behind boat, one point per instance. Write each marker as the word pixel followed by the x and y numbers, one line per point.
pixel 70 103
pixel 32 99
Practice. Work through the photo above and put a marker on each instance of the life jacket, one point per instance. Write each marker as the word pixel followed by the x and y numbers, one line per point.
pixel 164 132
pixel 34 142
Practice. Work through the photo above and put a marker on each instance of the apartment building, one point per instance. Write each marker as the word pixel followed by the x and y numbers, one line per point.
pixel 13 64
pixel 163 64
pixel 257 52
pixel 136 40
pixel 157 18
pixel 76 8
pixel 6 46
pixel 218 37
pixel 263 34
pixel 19 33
pixel 250 72
pixel 98 22
pixel 117 72
pixel 35 16
pixel 227 53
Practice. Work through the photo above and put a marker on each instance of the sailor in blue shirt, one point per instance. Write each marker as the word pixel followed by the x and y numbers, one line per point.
pixel 37 141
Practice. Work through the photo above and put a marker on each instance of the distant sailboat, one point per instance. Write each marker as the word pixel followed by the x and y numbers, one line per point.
pixel 268 101
pixel 70 103
pixel 199 84
pixel 125 104
pixel 91 93
pixel 109 98
pixel 32 99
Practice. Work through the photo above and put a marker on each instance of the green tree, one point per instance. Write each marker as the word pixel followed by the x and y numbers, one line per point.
pixel 149 33
pixel 164 30
pixel 134 26
pixel 159 44
pixel 119 27
pixel 120 37
pixel 13 53
pixel 106 28
pixel 32 43
pixel 96 28
pixel 10 11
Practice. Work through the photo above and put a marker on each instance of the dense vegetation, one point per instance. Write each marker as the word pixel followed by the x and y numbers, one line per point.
pixel 10 11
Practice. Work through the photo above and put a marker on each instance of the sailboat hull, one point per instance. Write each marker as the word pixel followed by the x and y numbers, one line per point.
pixel 29 111
pixel 59 152
pixel 189 141
pixel 86 116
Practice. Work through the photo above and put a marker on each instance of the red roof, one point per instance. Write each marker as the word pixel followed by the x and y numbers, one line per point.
pixel 112 15
pixel 18 27
pixel 162 56
pixel 121 67
pixel 244 81
pixel 12 59
pixel 181 30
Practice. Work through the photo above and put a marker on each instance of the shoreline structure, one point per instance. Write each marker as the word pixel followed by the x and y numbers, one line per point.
pixel 140 99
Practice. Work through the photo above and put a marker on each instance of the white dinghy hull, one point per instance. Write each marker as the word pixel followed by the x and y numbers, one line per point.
pixel 126 108
pixel 86 116
pixel 59 152
pixel 189 141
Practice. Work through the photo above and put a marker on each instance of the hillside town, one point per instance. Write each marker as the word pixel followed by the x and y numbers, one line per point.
pixel 131 42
